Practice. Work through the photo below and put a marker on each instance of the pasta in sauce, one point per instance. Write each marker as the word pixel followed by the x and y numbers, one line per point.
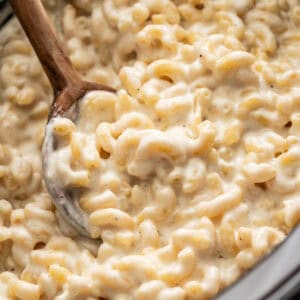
pixel 189 174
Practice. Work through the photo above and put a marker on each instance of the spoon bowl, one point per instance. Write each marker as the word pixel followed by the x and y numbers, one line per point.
pixel 66 201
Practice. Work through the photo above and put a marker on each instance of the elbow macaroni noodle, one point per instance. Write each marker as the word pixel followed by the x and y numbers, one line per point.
pixel 189 174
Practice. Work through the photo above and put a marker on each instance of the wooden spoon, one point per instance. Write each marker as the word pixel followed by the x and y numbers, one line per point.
pixel 68 89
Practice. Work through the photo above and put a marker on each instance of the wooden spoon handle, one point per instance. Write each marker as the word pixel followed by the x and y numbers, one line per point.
pixel 48 48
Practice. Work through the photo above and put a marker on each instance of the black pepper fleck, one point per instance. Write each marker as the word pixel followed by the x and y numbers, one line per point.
pixel 199 6
pixel 288 124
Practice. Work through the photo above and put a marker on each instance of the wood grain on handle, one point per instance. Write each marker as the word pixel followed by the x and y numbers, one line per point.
pixel 41 34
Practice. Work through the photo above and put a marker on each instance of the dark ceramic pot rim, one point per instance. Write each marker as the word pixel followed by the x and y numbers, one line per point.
pixel 5 12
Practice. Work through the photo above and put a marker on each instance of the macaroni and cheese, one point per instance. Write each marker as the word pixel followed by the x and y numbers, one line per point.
pixel 188 175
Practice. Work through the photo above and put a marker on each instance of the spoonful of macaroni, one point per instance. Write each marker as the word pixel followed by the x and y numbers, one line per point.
pixel 68 89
